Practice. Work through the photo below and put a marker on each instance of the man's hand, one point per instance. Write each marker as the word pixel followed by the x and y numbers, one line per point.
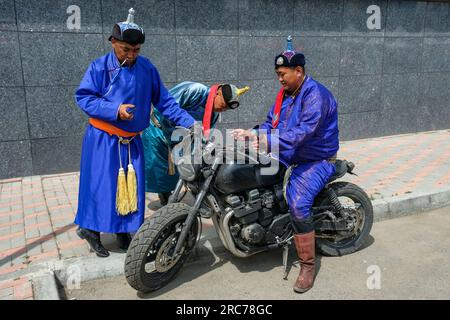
pixel 255 143
pixel 241 134
pixel 123 114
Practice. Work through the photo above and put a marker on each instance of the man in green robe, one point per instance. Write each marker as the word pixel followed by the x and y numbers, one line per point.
pixel 160 174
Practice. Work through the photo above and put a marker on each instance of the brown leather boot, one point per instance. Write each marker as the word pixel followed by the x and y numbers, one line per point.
pixel 305 245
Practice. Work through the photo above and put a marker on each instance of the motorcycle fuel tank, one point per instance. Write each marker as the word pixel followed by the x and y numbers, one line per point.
pixel 233 177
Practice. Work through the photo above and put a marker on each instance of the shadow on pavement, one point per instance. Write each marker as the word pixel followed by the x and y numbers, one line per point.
pixel 204 261
pixel 201 262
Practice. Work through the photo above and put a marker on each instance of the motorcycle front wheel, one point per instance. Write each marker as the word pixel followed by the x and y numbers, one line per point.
pixel 149 264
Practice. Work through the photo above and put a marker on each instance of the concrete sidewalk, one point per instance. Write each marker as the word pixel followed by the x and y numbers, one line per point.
pixel 402 174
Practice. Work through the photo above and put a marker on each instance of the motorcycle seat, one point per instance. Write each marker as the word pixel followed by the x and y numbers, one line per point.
pixel 342 167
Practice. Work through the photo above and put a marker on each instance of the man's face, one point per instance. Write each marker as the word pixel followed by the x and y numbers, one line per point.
pixel 219 102
pixel 125 50
pixel 289 78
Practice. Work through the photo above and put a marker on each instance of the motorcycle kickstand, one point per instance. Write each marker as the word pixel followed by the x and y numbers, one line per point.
pixel 285 260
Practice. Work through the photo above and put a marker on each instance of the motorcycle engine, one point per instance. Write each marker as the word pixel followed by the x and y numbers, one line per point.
pixel 254 216
pixel 253 234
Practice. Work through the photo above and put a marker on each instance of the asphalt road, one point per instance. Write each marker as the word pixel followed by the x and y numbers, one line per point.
pixel 405 258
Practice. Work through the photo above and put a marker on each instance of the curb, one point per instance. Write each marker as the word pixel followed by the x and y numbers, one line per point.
pixel 78 270
pixel 75 271
pixel 45 286
pixel 408 205
pixel 84 269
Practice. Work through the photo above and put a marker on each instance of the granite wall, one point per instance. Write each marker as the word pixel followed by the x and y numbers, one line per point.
pixel 391 80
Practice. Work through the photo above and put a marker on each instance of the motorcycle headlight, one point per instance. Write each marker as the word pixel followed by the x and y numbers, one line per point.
pixel 186 170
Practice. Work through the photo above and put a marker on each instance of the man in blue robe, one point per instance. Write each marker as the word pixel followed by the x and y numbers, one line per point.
pixel 303 127
pixel 160 174
pixel 117 92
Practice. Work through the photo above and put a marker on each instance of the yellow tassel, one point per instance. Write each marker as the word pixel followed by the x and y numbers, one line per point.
pixel 122 206
pixel 132 188
pixel 171 164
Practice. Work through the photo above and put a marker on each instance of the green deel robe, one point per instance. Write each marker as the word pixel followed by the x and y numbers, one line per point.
pixel 192 97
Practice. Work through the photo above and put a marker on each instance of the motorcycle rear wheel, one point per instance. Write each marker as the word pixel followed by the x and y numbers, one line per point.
pixel 148 263
pixel 338 243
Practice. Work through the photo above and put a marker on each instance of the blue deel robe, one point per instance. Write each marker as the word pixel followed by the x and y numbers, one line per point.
pixel 306 136
pixel 191 96
pixel 105 86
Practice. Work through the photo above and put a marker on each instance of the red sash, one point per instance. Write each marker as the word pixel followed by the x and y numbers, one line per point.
pixel 277 109
pixel 207 117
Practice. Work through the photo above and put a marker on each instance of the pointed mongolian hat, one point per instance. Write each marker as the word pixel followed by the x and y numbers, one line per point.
pixel 128 31
pixel 231 94
pixel 289 57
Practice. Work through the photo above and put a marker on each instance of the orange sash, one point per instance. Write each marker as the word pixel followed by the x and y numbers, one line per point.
pixel 109 128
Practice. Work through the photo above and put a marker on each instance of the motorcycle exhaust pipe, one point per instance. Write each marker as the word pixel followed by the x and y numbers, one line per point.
pixel 229 239
pixel 228 242
pixel 219 231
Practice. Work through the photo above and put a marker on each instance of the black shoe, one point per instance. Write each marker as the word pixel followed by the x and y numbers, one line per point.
pixel 124 240
pixel 164 197
pixel 93 238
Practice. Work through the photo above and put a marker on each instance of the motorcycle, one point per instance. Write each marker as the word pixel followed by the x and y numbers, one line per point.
pixel 249 213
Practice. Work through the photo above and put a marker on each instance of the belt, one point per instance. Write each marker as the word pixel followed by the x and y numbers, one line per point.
pixel 109 128
pixel 126 195
pixel 331 160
